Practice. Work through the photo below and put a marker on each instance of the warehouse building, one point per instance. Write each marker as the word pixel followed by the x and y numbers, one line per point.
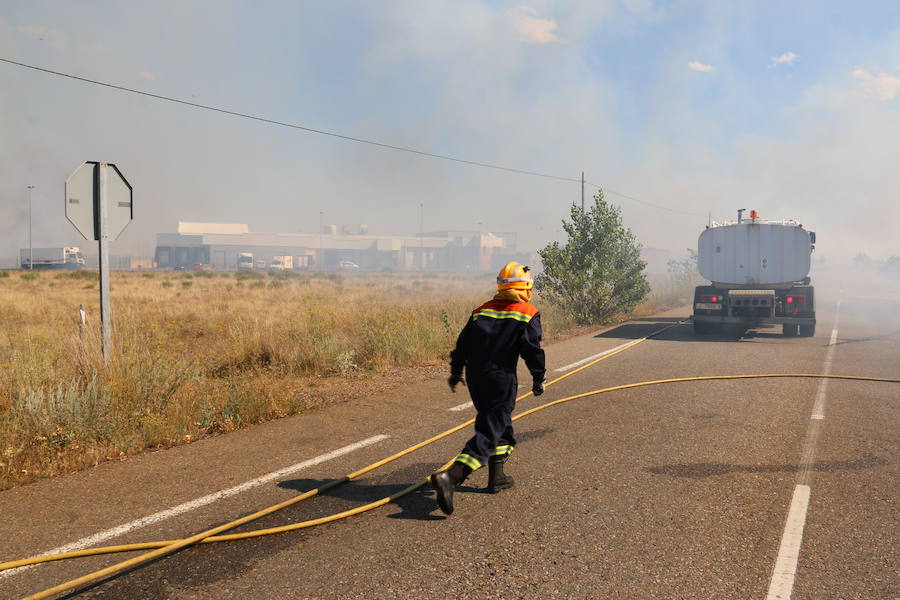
pixel 221 245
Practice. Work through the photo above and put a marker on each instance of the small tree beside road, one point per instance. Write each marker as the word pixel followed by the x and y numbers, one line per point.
pixel 598 274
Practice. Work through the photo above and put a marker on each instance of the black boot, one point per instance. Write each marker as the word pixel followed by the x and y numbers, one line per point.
pixel 445 482
pixel 497 479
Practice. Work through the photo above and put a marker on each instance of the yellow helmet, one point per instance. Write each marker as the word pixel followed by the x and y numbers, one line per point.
pixel 514 276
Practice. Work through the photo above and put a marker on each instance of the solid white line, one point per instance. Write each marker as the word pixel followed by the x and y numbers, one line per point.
pixel 203 501
pixel 596 356
pixel 785 570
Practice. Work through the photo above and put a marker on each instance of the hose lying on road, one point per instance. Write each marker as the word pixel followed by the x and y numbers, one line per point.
pixel 165 547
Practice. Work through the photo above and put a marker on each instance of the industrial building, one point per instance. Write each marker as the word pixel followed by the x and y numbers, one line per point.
pixel 220 245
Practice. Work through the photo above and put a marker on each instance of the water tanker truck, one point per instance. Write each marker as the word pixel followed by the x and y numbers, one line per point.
pixel 759 276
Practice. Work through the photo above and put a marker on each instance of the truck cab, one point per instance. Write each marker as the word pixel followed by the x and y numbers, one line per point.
pixel 245 260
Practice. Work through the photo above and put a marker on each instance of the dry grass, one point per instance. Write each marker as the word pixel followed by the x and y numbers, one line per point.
pixel 202 353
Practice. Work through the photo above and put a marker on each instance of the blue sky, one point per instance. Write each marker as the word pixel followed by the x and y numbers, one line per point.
pixel 680 103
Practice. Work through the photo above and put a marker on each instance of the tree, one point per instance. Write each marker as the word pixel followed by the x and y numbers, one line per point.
pixel 686 267
pixel 891 267
pixel 598 273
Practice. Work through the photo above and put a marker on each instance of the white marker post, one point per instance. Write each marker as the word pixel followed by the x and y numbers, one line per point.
pixel 99 205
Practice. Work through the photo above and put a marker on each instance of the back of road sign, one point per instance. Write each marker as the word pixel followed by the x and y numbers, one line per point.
pixel 83 200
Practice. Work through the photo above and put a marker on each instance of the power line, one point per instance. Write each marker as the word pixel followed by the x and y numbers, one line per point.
pixel 620 194
pixel 331 133
pixel 291 125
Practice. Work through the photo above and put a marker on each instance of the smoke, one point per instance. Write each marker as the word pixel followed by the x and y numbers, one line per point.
pixel 601 87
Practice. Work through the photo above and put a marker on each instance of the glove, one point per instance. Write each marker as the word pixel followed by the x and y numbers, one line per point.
pixel 537 388
pixel 453 380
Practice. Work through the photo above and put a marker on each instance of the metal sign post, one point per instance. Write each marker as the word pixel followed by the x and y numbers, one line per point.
pixel 103 221
pixel 99 205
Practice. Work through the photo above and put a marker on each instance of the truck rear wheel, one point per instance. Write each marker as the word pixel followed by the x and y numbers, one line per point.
pixel 808 330
pixel 788 330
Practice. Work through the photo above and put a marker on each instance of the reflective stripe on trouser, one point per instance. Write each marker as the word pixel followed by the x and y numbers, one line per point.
pixel 494 396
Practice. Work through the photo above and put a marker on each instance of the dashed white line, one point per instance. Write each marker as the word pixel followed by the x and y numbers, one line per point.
pixel 463 406
pixel 203 501
pixel 782 583
pixel 596 356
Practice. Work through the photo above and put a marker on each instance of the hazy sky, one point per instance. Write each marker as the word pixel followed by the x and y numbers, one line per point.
pixel 792 108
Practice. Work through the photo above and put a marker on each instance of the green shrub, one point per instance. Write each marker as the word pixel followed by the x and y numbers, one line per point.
pixel 598 273
pixel 30 276
pixel 80 274
pixel 186 284
pixel 284 274
pixel 205 274
pixel 242 274
pixel 4 274
pixel 166 283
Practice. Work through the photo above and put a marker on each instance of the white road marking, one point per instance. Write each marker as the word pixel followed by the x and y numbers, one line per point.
pixel 203 501
pixel 819 407
pixel 782 583
pixel 583 361
pixel 596 356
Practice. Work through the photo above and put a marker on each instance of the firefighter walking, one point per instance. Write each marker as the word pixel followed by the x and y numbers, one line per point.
pixel 488 349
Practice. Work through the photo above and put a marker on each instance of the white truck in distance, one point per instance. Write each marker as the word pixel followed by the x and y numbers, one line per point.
pixel 68 257
pixel 245 260
pixel 759 276
pixel 282 263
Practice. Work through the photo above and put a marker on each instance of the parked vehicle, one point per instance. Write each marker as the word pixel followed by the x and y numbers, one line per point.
pixel 280 263
pixel 759 276
pixel 245 260
pixel 68 257
pixel 347 265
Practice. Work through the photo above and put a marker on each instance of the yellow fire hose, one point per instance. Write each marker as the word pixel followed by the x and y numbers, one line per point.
pixel 165 547
pixel 169 546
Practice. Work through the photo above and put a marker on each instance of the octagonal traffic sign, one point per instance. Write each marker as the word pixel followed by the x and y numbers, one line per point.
pixel 83 200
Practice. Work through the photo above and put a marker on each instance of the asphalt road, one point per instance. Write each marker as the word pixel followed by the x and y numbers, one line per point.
pixel 672 491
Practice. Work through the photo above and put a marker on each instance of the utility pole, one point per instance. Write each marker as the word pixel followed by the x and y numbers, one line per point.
pixel 582 191
pixel 321 229
pixel 30 248
pixel 422 236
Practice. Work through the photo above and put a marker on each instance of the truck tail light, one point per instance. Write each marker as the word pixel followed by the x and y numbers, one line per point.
pixel 710 298
pixel 796 300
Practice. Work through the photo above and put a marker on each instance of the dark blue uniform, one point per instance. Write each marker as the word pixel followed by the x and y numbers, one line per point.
pixel 489 347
